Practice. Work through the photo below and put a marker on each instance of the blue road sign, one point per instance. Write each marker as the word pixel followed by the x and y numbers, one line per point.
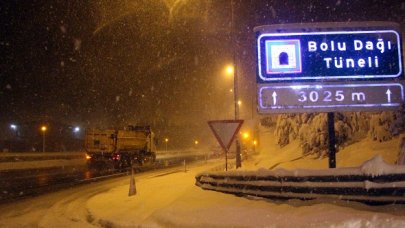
pixel 358 55
pixel 326 67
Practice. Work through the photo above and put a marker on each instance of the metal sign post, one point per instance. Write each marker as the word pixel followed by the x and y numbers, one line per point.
pixel 329 67
pixel 331 139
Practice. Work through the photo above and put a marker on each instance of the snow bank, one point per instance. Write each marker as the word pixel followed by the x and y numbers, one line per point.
pixel 373 167
pixel 376 167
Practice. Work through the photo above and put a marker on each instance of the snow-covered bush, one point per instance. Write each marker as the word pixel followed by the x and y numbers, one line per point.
pixel 380 127
pixel 398 122
pixel 268 121
pixel 359 123
pixel 287 128
pixel 313 134
pixel 384 125
pixel 310 129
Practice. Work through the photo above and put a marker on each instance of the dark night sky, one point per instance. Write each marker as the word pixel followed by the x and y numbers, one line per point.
pixel 110 63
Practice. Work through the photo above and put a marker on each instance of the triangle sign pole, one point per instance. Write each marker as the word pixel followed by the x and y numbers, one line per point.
pixel 225 132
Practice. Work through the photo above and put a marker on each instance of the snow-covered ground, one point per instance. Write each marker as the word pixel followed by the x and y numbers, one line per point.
pixel 290 156
pixel 169 198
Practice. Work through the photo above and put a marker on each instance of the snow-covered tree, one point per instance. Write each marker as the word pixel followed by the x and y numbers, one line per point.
pixel 287 128
pixel 385 125
pixel 312 132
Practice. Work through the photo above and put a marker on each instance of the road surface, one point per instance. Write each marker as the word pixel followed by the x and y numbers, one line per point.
pixel 22 183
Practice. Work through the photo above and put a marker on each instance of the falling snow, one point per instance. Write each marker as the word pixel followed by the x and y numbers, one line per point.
pixel 109 64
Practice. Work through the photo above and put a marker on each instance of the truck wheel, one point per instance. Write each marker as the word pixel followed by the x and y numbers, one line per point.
pixel 116 165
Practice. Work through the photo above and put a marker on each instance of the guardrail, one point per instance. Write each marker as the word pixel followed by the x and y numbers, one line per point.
pixel 375 183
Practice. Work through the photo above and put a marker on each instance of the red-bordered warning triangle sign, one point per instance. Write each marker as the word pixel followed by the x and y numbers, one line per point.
pixel 225 131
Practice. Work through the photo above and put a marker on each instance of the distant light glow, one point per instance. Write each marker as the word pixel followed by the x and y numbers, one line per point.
pixel 76 129
pixel 196 142
pixel 245 135
pixel 166 140
pixel 13 126
pixel 43 128
pixel 229 70
pixel 239 103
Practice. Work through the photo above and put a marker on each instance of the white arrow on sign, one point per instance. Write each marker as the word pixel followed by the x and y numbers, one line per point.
pixel 389 95
pixel 225 131
pixel 274 97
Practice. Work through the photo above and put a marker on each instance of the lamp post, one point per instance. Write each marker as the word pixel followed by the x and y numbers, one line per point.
pixel 43 130
pixel 235 84
pixel 166 141
pixel 13 128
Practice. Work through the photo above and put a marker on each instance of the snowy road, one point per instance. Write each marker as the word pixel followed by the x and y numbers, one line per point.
pixel 71 207
pixel 169 198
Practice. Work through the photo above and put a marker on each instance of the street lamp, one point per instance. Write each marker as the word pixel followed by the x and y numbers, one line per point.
pixel 76 129
pixel 14 128
pixel 229 70
pixel 43 130
pixel 196 142
pixel 166 141
pixel 246 135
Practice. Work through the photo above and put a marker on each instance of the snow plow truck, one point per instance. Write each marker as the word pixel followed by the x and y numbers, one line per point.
pixel 135 145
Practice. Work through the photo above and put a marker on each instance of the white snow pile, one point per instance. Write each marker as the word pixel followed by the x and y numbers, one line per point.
pixel 377 167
